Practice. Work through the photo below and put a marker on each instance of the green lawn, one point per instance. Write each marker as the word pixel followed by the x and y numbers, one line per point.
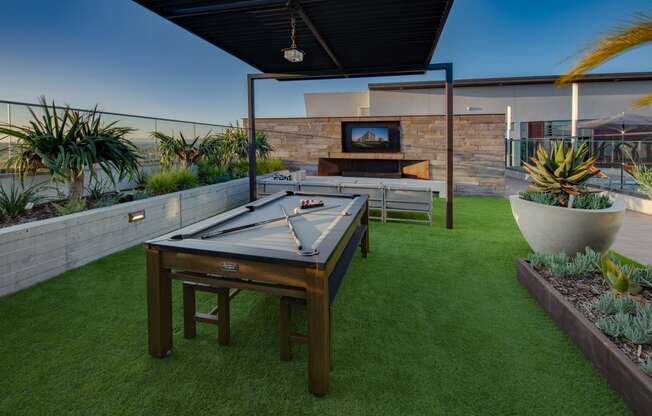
pixel 433 322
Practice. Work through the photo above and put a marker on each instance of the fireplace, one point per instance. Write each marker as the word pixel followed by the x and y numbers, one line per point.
pixel 372 149
pixel 373 165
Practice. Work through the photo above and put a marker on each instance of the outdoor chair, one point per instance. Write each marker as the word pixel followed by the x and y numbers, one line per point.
pixel 408 199
pixel 269 187
pixel 375 193
pixel 320 187
pixel 218 315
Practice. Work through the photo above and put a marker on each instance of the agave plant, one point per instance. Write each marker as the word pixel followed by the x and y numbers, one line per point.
pixel 611 45
pixel 66 142
pixel 15 199
pixel 643 176
pixel 562 171
pixel 188 152
pixel 617 279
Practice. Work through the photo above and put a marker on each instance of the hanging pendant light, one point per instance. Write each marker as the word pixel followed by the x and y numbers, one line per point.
pixel 293 54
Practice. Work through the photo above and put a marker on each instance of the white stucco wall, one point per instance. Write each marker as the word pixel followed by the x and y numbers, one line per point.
pixel 337 104
pixel 529 102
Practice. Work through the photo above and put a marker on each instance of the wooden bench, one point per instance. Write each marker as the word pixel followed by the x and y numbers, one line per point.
pixel 219 315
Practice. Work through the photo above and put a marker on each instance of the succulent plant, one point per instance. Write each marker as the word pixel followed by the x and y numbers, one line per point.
pixel 646 366
pixel 617 279
pixel 643 176
pixel 611 304
pixel 562 171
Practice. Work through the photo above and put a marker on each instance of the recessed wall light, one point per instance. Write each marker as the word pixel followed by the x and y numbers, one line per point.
pixel 136 216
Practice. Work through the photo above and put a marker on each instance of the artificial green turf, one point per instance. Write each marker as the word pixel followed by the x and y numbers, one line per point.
pixel 432 322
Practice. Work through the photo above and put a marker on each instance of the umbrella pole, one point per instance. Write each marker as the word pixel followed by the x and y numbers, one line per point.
pixel 622 157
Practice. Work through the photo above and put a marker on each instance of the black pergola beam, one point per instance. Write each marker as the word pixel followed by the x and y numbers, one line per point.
pixel 238 6
pixel 448 115
pixel 296 7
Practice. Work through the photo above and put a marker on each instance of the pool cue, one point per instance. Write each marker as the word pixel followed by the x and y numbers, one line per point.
pixel 263 222
pixel 295 236
pixel 292 230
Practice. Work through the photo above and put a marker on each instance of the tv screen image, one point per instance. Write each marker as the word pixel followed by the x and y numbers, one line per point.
pixel 370 137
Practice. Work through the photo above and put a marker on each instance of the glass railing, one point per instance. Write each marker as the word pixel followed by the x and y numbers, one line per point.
pixel 17 114
pixel 611 151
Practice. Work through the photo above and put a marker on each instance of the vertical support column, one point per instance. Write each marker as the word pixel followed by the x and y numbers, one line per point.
pixel 449 146
pixel 252 137
pixel 575 109
pixel 159 306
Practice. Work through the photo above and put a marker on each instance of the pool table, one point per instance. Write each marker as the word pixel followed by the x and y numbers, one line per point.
pixel 269 245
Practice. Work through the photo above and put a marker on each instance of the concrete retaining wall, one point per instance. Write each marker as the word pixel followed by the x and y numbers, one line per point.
pixel 33 252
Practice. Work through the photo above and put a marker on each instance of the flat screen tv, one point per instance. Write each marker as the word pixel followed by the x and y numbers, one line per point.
pixel 371 137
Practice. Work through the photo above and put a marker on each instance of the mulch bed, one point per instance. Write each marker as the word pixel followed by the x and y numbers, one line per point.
pixel 582 293
pixel 39 212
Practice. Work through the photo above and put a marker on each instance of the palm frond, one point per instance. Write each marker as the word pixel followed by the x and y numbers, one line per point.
pixel 613 44
pixel 642 101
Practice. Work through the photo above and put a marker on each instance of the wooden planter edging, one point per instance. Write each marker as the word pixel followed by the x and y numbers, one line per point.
pixel 623 375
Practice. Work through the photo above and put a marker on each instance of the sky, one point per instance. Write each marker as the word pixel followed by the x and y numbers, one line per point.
pixel 120 56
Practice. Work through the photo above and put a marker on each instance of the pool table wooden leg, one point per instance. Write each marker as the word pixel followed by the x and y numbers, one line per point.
pixel 318 317
pixel 223 317
pixel 159 306
pixel 189 309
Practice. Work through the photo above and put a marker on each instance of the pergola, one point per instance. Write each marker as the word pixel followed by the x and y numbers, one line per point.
pixel 340 38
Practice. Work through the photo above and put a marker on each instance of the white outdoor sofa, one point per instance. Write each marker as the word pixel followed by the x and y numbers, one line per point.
pixel 383 198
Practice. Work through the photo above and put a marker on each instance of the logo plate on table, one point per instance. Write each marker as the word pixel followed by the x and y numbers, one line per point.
pixel 230 267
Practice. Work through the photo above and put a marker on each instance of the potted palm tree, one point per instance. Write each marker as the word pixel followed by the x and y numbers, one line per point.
pixel 558 213
pixel 67 143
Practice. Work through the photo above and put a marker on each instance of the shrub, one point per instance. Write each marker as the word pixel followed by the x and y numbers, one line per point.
pixel 138 195
pixel 184 179
pixel 562 171
pixel 268 166
pixel 70 207
pixel 15 199
pixel 210 174
pixel 171 181
pixel 107 201
pixel 564 266
pixel 592 200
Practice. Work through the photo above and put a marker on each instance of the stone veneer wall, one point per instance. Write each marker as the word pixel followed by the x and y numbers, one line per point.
pixel 479 146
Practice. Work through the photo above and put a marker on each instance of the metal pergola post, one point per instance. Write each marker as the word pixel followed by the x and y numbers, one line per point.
pixel 448 115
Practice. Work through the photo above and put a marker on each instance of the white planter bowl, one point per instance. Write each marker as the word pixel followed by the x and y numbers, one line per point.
pixel 553 229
